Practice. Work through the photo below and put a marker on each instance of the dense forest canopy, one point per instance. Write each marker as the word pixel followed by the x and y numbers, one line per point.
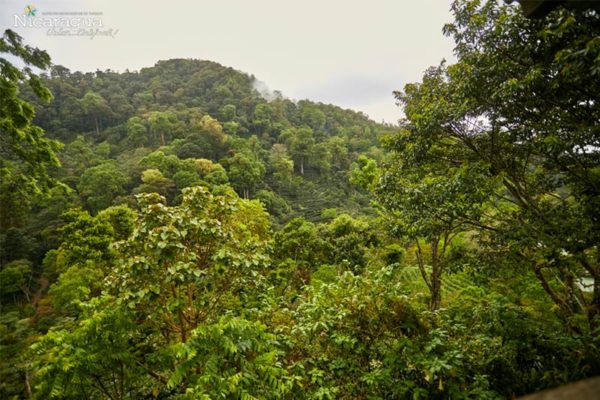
pixel 176 232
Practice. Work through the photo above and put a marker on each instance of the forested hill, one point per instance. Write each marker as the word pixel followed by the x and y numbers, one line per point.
pixel 147 129
pixel 173 233
pixel 206 86
pixel 304 170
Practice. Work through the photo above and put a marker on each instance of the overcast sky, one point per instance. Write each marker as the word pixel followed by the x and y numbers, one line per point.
pixel 346 52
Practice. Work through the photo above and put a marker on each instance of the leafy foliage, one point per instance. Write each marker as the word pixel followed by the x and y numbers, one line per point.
pixel 22 141
pixel 206 242
pixel 510 112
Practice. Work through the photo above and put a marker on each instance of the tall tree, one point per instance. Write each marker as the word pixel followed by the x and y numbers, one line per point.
pixel 244 172
pixel 431 203
pixel 300 143
pixel 96 107
pixel 212 130
pixel 168 311
pixel 281 164
pixel 25 154
pixel 137 133
pixel 161 123
pixel 520 107
pixel 100 185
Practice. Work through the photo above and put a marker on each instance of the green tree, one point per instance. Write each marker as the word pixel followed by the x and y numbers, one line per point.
pixel 281 165
pixel 100 185
pixel 519 109
pixel 14 244
pixel 96 107
pixel 168 311
pixel 183 179
pixel 25 154
pixel 16 195
pixel 321 158
pixel 211 172
pixel 364 173
pixel 431 201
pixel 311 116
pixel 153 181
pixel 338 148
pixel 137 133
pixel 362 336
pixel 212 130
pixel 300 142
pixel 84 257
pixel 349 240
pixel 76 157
pixel 244 172
pixel 299 251
pixel 15 278
pixel 161 123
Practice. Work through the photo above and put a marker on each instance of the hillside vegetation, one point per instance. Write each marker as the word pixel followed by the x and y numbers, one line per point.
pixel 179 232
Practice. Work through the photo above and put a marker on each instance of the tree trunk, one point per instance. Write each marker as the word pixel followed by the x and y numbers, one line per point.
pixel 565 309
pixel 97 126
pixel 302 166
pixel 593 311
pixel 436 277
pixel 594 307
pixel 27 385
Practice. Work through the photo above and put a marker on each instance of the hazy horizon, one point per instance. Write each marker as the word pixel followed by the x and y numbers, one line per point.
pixel 349 54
